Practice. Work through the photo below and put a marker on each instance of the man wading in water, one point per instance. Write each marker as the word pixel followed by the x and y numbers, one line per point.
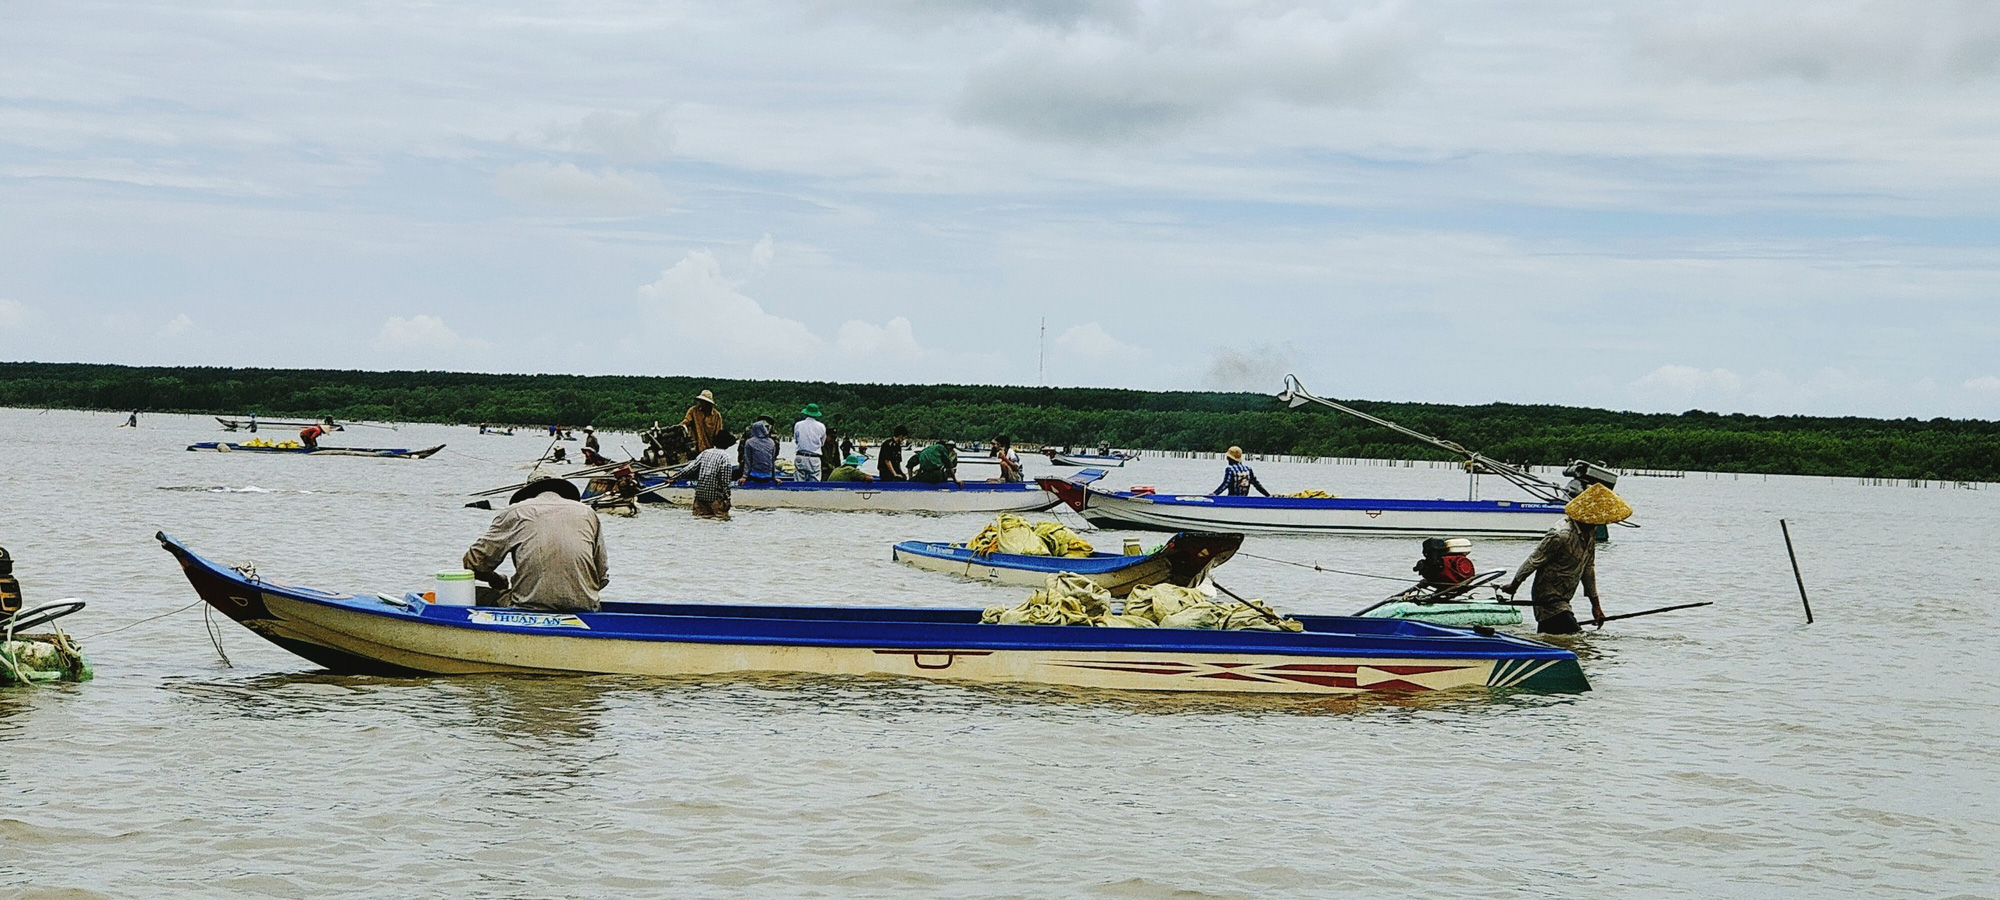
pixel 1567 557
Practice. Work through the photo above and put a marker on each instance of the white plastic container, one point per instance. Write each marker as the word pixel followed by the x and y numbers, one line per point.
pixel 455 588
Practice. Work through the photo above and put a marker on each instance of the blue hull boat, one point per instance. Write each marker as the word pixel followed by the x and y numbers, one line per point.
pixel 1184 559
pixel 404 635
pixel 296 450
pixel 1309 515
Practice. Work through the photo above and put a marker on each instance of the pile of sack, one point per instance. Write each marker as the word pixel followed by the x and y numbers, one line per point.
pixel 1069 599
pixel 1310 494
pixel 1012 534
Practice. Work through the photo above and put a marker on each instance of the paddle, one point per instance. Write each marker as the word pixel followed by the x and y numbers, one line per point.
pixel 1273 617
pixel 1647 612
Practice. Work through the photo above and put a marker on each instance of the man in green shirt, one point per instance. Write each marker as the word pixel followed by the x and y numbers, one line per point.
pixel 850 469
pixel 936 464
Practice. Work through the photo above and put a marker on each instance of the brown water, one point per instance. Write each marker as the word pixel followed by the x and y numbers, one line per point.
pixel 1729 751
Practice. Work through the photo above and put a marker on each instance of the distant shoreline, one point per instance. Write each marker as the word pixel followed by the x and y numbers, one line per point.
pixel 1206 422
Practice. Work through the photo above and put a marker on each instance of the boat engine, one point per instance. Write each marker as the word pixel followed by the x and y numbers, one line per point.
pixel 1583 473
pixel 10 587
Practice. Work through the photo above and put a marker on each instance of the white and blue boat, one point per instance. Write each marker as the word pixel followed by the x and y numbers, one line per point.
pixel 295 449
pixel 1061 458
pixel 1309 515
pixel 381 634
pixel 1183 560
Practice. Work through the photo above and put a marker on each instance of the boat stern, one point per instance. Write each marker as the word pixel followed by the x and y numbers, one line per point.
pixel 1069 492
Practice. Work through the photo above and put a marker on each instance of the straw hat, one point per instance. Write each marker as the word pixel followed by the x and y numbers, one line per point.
pixel 1236 453
pixel 1597 505
pixel 707 397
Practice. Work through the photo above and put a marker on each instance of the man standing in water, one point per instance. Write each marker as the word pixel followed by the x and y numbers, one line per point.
pixel 712 472
pixel 557 546
pixel 1566 558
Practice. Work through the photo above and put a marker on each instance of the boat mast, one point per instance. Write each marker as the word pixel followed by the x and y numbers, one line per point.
pixel 1295 395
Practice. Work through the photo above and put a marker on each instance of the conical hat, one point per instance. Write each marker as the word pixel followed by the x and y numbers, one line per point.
pixel 1597 505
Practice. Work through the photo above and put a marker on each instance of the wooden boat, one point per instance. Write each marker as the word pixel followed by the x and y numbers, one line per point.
pixel 1184 559
pixel 245 424
pixel 379 634
pixel 1089 459
pixel 874 496
pixel 1301 515
pixel 393 453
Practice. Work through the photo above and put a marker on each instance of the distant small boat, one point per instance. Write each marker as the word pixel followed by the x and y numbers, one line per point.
pixel 1089 459
pixel 253 424
pixel 873 496
pixel 1309 515
pixel 1184 559
pixel 383 634
pixel 394 453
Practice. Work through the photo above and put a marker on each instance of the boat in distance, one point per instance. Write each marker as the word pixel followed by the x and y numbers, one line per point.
pixel 1090 459
pixel 1183 560
pixel 872 496
pixel 1308 515
pixel 254 424
pixel 381 634
pixel 386 452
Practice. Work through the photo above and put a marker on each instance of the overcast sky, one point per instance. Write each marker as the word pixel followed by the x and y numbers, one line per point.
pixel 1766 207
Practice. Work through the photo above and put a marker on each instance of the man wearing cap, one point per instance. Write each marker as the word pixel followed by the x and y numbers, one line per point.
pixel 850 469
pixel 703 422
pixel 808 440
pixel 557 546
pixel 1566 558
pixel 1237 477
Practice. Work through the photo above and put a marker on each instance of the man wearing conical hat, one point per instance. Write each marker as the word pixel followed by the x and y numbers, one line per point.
pixel 1567 558
pixel 703 422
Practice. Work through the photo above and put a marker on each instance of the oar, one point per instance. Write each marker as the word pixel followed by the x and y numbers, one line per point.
pixel 1647 612
pixel 1260 610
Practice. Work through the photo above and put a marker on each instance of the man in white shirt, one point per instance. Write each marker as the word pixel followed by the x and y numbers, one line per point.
pixel 809 434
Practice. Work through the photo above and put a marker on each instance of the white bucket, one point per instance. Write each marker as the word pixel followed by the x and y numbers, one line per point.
pixel 455 588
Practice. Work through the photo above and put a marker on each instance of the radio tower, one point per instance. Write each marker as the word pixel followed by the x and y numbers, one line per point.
pixel 1042 356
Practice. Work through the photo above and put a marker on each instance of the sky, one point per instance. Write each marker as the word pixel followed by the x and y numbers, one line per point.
pixel 1780 207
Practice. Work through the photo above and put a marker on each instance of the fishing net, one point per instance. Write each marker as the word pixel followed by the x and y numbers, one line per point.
pixel 1072 600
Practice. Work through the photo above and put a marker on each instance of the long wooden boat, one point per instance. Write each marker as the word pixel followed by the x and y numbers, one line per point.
pixel 380 634
pixel 1182 560
pixel 875 496
pixel 246 424
pixel 1089 459
pixel 392 453
pixel 1300 515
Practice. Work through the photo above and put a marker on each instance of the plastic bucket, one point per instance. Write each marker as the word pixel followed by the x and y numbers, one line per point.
pixel 455 588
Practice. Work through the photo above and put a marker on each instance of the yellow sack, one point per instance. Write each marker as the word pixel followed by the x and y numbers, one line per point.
pixel 1205 615
pixel 1246 617
pixel 1311 494
pixel 1061 541
pixel 1114 620
pixel 1008 534
pixel 1158 601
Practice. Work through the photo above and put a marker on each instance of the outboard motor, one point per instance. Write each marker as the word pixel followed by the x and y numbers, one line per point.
pixel 10 588
pixel 1583 473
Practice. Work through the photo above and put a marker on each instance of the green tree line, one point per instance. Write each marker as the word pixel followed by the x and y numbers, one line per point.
pixel 1947 449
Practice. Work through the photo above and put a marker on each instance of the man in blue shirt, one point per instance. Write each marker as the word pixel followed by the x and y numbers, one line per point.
pixel 1237 478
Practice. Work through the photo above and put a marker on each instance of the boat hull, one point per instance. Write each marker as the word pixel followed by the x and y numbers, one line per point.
pixel 1287 515
pixel 380 452
pixel 1183 560
pixel 1088 459
pixel 372 635
pixel 894 496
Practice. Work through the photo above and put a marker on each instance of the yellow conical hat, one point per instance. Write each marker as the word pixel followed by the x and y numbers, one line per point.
pixel 1597 505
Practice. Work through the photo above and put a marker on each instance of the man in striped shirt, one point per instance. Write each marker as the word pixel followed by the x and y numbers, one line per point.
pixel 714 470
pixel 1237 478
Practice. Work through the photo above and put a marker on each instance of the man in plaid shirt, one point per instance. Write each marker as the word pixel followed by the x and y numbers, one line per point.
pixel 714 470
pixel 1237 478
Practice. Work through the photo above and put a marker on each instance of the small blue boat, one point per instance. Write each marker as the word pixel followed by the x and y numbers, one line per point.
pixel 1309 515
pixel 1184 559
pixel 292 447
pixel 382 634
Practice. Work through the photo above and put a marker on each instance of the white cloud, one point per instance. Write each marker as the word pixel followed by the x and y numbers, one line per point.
pixel 895 339
pixel 16 315
pixel 1260 368
pixel 1177 66
pixel 1831 390
pixel 1985 384
pixel 177 325
pixel 1096 346
pixel 564 187
pixel 423 333
pixel 1829 41
pixel 1675 381
pixel 618 137
pixel 763 252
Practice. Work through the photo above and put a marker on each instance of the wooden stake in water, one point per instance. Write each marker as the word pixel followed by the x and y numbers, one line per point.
pixel 1801 579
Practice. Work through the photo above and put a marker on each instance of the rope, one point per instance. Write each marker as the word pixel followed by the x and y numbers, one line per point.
pixel 1319 568
pixel 214 635
pixel 140 622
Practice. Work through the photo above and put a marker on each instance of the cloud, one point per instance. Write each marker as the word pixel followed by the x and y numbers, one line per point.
pixel 177 325
pixel 1831 390
pixel 618 137
pixel 1103 85
pixel 1689 382
pixel 1985 384
pixel 16 315
pixel 763 252
pixel 566 188
pixel 896 339
pixel 1830 41
pixel 423 333
pixel 1091 341
pixel 1260 369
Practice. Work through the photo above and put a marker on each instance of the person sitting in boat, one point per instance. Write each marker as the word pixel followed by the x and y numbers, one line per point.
pixel 713 470
pixel 889 458
pixel 850 469
pixel 703 421
pixel 557 545
pixel 1237 477
pixel 757 454
pixel 10 587
pixel 1010 462
pixel 1566 558
pixel 1440 567
pixel 808 440
pixel 936 464
pixel 559 455
pixel 309 436
pixel 592 456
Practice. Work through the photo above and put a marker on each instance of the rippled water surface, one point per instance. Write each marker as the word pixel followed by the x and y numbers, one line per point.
pixel 1729 751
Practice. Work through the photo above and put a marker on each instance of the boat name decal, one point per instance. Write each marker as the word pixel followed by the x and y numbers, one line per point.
pixel 525 619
